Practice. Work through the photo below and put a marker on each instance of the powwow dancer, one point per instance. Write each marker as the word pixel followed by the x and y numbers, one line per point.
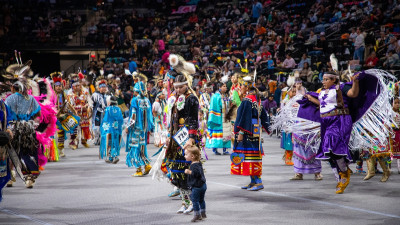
pixel 111 132
pixel 62 107
pixel 99 106
pixel 336 125
pixel 303 156
pixel 24 109
pixel 184 115
pixel 247 150
pixel 286 140
pixel 351 114
pixel 139 124
pixel 218 126
pixel 81 102
pixel 161 170
pixel 205 100
pixel 159 120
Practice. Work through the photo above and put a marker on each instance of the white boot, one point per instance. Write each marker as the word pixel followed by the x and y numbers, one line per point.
pixel 182 209
pixel 189 209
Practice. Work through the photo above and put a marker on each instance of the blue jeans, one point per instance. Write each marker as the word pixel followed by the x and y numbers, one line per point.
pixel 197 198
pixel 359 54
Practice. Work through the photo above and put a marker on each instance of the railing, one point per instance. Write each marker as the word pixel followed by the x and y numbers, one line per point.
pixel 74 67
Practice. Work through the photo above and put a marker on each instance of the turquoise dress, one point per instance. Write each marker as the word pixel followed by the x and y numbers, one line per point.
pixel 218 137
pixel 111 124
pixel 136 145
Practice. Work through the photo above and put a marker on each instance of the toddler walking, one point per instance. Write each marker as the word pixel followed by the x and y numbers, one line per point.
pixel 196 182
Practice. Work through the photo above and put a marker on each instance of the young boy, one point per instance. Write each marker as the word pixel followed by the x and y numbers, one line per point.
pixel 197 182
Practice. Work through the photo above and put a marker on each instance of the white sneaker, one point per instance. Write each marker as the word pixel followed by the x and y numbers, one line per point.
pixel 182 209
pixel 189 209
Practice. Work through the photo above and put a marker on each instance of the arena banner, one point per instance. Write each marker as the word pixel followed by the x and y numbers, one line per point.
pixel 185 9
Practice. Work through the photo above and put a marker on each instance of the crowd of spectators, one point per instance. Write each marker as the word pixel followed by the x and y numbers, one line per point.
pixel 37 23
pixel 276 37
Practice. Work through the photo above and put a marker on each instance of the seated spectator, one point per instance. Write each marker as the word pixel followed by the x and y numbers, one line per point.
pixel 306 73
pixel 258 58
pixel 371 61
pixel 393 45
pixel 92 29
pixel 304 59
pixel 265 52
pixel 392 60
pixel 229 64
pixel 260 86
pixel 289 62
pixel 260 30
pixel 312 40
pixel 264 47
pixel 321 47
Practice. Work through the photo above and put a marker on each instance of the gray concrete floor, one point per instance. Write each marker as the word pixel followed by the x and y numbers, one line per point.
pixel 81 189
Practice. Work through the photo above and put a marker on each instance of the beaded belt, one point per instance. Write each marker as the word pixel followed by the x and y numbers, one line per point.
pixel 336 112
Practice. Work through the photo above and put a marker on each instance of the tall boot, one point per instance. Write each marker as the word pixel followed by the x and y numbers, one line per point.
pixel 344 181
pixel 288 159
pixel 371 168
pixel 386 171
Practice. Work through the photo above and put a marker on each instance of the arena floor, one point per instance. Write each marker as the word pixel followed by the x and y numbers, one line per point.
pixel 81 189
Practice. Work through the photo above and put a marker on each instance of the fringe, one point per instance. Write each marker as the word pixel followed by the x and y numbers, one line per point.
pixel 372 129
pixel 156 172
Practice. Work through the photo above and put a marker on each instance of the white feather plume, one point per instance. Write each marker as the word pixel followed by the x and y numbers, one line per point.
pixel 247 78
pixel 225 79
pixel 290 81
pixel 34 87
pixel 189 67
pixel 173 60
pixel 334 62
